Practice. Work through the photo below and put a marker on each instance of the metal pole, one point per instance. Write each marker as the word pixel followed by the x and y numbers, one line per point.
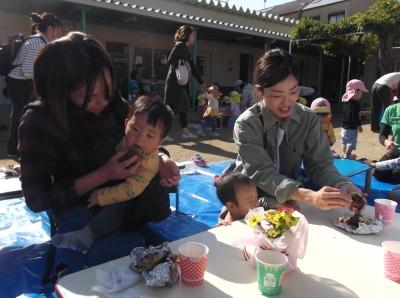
pixel 320 71
pixel 290 46
pixel 193 85
pixel 341 77
pixel 83 19
pixel 348 69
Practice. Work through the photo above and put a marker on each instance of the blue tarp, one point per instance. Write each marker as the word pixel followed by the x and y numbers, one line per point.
pixel 199 208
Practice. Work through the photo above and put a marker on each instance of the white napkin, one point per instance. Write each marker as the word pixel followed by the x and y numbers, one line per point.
pixel 116 282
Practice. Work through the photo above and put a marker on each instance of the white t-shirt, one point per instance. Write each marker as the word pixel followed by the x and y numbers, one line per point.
pixel 391 80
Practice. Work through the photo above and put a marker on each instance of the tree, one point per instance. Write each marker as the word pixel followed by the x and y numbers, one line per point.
pixel 360 36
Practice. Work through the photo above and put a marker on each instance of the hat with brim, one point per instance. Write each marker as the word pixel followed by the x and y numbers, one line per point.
pixel 351 89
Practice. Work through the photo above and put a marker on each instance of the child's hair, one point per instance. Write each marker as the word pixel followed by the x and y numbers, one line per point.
pixel 65 64
pixel 157 112
pixel 133 75
pixel 44 20
pixel 226 186
pixel 212 88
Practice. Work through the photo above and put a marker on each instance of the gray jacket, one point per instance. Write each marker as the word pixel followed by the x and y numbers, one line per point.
pixel 255 134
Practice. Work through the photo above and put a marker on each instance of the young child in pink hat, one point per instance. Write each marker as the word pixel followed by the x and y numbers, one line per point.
pixel 351 124
pixel 322 108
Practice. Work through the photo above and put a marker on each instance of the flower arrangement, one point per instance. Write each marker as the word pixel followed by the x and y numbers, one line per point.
pixel 273 223
pixel 284 230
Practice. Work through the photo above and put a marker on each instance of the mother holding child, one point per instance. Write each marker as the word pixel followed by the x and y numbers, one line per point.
pixel 73 143
pixel 276 135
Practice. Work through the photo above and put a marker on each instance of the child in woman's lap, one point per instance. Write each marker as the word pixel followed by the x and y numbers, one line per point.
pixel 147 124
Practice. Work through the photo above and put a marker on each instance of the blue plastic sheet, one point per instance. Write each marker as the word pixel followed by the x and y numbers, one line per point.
pixel 199 210
pixel 19 226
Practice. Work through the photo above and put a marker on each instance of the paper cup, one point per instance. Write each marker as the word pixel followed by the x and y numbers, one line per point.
pixel 391 260
pixel 192 262
pixel 385 210
pixel 270 268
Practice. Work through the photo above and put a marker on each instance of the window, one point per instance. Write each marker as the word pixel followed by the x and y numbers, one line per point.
pixel 153 63
pixel 334 18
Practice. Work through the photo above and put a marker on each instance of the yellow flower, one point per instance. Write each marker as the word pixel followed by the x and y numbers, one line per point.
pixel 254 220
pixel 272 233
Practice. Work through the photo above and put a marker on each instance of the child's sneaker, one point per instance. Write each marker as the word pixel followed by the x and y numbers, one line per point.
pixel 199 161
pixel 169 139
pixel 188 135
pixel 194 125
pixel 201 133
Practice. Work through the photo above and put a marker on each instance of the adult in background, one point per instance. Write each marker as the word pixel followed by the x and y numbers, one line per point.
pixel 382 93
pixel 276 135
pixel 177 96
pixel 46 27
pixel 390 125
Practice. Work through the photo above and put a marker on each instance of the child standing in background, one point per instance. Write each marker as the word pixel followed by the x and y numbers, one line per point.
pixel 351 125
pixel 212 112
pixel 322 108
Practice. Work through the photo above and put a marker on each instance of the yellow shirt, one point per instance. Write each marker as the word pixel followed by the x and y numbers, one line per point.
pixel 132 186
pixel 329 132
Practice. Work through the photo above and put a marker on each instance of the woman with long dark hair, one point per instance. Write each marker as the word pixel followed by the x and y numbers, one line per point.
pixel 46 27
pixel 67 142
pixel 177 96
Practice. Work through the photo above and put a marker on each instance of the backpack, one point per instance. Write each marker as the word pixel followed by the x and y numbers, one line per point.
pixel 9 51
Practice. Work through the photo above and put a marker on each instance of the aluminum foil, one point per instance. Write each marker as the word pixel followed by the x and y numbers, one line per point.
pixel 365 225
pixel 164 274
pixel 157 265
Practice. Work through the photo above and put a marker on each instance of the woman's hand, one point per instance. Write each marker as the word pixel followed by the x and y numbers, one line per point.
pixel 329 198
pixel 169 171
pixel 116 168
pixel 390 147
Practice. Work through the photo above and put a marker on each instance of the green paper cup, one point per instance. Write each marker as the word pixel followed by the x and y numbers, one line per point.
pixel 270 268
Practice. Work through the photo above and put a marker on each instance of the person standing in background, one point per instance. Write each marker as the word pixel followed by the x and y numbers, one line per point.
pixel 19 81
pixel 382 94
pixel 177 96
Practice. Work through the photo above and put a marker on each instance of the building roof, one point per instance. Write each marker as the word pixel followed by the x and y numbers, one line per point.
pixel 288 7
pixel 254 23
pixel 297 5
pixel 319 3
pixel 225 6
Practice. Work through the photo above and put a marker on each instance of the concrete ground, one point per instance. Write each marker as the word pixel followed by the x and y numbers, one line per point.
pixel 222 148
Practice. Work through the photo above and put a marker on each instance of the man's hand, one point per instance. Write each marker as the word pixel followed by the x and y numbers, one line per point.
pixel 93 199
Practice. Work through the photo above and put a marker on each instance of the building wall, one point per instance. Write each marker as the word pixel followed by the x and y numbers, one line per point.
pixel 222 60
pixel 324 11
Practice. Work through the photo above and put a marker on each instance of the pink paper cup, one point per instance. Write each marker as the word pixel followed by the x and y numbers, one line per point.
pixel 385 210
pixel 192 263
pixel 391 260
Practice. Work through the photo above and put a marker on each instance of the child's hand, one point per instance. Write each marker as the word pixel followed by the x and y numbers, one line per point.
pixel 93 199
pixel 227 220
pixel 360 129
